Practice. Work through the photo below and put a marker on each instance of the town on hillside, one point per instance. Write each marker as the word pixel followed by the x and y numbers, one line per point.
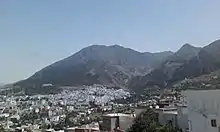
pixel 101 109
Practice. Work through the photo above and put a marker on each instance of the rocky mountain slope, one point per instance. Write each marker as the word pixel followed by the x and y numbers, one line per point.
pixel 206 81
pixel 97 64
pixel 117 66
pixel 188 62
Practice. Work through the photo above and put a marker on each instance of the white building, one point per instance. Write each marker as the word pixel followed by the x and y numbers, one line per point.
pixel 167 116
pixel 117 120
pixel 174 117
pixel 182 117
pixel 203 110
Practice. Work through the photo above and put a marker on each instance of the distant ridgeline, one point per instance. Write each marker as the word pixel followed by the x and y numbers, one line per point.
pixel 116 66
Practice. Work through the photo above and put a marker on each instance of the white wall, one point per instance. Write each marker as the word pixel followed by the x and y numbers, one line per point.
pixel 125 122
pixel 164 118
pixel 182 117
pixel 203 105
pixel 199 123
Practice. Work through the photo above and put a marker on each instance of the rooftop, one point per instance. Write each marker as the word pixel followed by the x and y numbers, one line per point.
pixel 167 109
pixel 205 89
pixel 117 114
pixel 172 111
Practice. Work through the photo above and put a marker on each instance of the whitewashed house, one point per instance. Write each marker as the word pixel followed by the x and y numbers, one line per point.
pixel 174 117
pixel 203 110
pixel 167 116
pixel 182 117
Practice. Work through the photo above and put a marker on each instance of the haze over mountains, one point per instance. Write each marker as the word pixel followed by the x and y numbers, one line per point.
pixel 1 85
pixel 117 66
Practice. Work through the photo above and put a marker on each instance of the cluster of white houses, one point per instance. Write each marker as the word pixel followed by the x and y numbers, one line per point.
pixel 199 113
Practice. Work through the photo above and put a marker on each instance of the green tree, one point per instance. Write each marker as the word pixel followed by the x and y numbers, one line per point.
pixel 2 128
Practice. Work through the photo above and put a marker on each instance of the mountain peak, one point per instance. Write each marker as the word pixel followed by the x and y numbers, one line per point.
pixel 187 46
pixel 214 47
pixel 101 47
pixel 111 65
pixel 188 50
pixel 115 45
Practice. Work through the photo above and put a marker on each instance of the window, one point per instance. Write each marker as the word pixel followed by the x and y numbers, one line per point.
pixel 213 123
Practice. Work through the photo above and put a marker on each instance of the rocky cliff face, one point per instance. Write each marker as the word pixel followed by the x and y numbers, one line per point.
pixel 188 62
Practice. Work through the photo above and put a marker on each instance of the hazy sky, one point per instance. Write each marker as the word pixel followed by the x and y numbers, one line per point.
pixel 36 33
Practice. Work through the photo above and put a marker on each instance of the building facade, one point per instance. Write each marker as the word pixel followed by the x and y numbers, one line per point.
pixel 182 118
pixel 167 116
pixel 203 110
pixel 176 117
pixel 114 121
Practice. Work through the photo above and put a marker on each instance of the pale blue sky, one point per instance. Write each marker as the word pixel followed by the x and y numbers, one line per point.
pixel 36 33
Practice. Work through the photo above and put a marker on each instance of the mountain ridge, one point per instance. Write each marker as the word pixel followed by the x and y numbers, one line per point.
pixel 178 67
pixel 117 66
pixel 97 64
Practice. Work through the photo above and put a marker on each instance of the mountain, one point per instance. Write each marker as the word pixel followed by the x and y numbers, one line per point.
pixel 97 64
pixel 1 85
pixel 188 62
pixel 206 81
pixel 186 52
pixel 213 48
